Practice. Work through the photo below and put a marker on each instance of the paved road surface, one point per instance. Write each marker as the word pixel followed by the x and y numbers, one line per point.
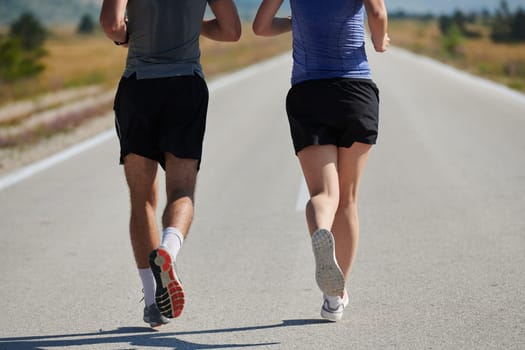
pixel 442 257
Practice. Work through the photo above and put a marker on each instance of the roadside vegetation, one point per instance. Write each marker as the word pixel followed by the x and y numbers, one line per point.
pixel 491 45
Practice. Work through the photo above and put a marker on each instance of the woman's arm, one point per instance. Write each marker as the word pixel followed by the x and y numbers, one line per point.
pixel 378 22
pixel 226 26
pixel 113 19
pixel 265 22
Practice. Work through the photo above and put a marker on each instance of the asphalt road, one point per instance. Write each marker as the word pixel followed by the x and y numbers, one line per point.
pixel 442 256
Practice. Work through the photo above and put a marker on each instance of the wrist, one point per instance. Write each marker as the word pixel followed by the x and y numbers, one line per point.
pixel 126 40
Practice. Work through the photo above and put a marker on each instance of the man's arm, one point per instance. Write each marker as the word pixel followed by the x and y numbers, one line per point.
pixel 265 22
pixel 378 21
pixel 113 19
pixel 226 26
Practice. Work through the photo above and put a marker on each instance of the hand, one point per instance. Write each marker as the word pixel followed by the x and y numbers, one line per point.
pixel 383 44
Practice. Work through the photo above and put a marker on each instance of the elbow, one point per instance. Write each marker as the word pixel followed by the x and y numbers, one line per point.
pixel 257 29
pixel 232 33
pixel 260 29
pixel 235 33
pixel 378 13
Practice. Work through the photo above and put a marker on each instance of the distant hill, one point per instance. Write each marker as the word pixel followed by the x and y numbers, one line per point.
pixel 70 11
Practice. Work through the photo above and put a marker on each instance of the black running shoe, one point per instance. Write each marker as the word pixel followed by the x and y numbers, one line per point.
pixel 169 294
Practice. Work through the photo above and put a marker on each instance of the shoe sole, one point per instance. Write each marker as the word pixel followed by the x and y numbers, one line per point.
pixel 155 324
pixel 328 275
pixel 169 294
pixel 330 316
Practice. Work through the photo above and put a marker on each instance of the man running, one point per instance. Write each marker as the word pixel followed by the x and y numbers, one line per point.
pixel 333 114
pixel 160 108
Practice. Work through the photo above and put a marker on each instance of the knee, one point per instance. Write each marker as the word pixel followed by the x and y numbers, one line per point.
pixel 141 200
pixel 323 201
pixel 347 206
pixel 180 196
pixel 348 198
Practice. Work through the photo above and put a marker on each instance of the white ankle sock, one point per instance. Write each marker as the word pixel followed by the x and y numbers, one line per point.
pixel 172 240
pixel 148 284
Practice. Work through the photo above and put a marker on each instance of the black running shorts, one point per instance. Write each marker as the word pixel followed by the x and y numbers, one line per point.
pixel 155 116
pixel 337 112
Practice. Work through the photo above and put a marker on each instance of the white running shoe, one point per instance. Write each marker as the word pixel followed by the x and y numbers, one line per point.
pixel 328 275
pixel 333 307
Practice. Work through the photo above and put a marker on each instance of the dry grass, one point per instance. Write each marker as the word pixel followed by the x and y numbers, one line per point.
pixel 223 57
pixel 75 60
pixel 504 63
pixel 420 37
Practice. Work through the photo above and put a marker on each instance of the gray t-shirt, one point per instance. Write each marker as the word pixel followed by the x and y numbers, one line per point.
pixel 164 38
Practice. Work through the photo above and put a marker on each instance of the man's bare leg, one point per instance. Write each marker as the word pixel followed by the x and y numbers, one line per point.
pixel 141 176
pixel 181 176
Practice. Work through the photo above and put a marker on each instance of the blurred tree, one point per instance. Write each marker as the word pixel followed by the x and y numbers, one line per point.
pixel 17 63
pixel 452 40
pixel 485 16
pixel 445 23
pixel 459 20
pixel 29 31
pixel 21 50
pixel 86 25
pixel 518 25
pixel 502 23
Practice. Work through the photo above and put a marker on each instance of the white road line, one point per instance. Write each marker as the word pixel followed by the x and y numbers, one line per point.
pixel 39 166
pixel 217 84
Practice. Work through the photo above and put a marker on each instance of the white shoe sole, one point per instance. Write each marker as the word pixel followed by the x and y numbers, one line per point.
pixel 330 316
pixel 328 275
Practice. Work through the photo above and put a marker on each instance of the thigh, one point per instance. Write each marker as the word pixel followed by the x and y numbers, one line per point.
pixel 351 163
pixel 141 176
pixel 319 165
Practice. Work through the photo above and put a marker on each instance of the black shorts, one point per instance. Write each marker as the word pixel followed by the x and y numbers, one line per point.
pixel 155 116
pixel 337 111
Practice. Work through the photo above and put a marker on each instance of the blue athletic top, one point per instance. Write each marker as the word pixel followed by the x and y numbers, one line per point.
pixel 328 40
